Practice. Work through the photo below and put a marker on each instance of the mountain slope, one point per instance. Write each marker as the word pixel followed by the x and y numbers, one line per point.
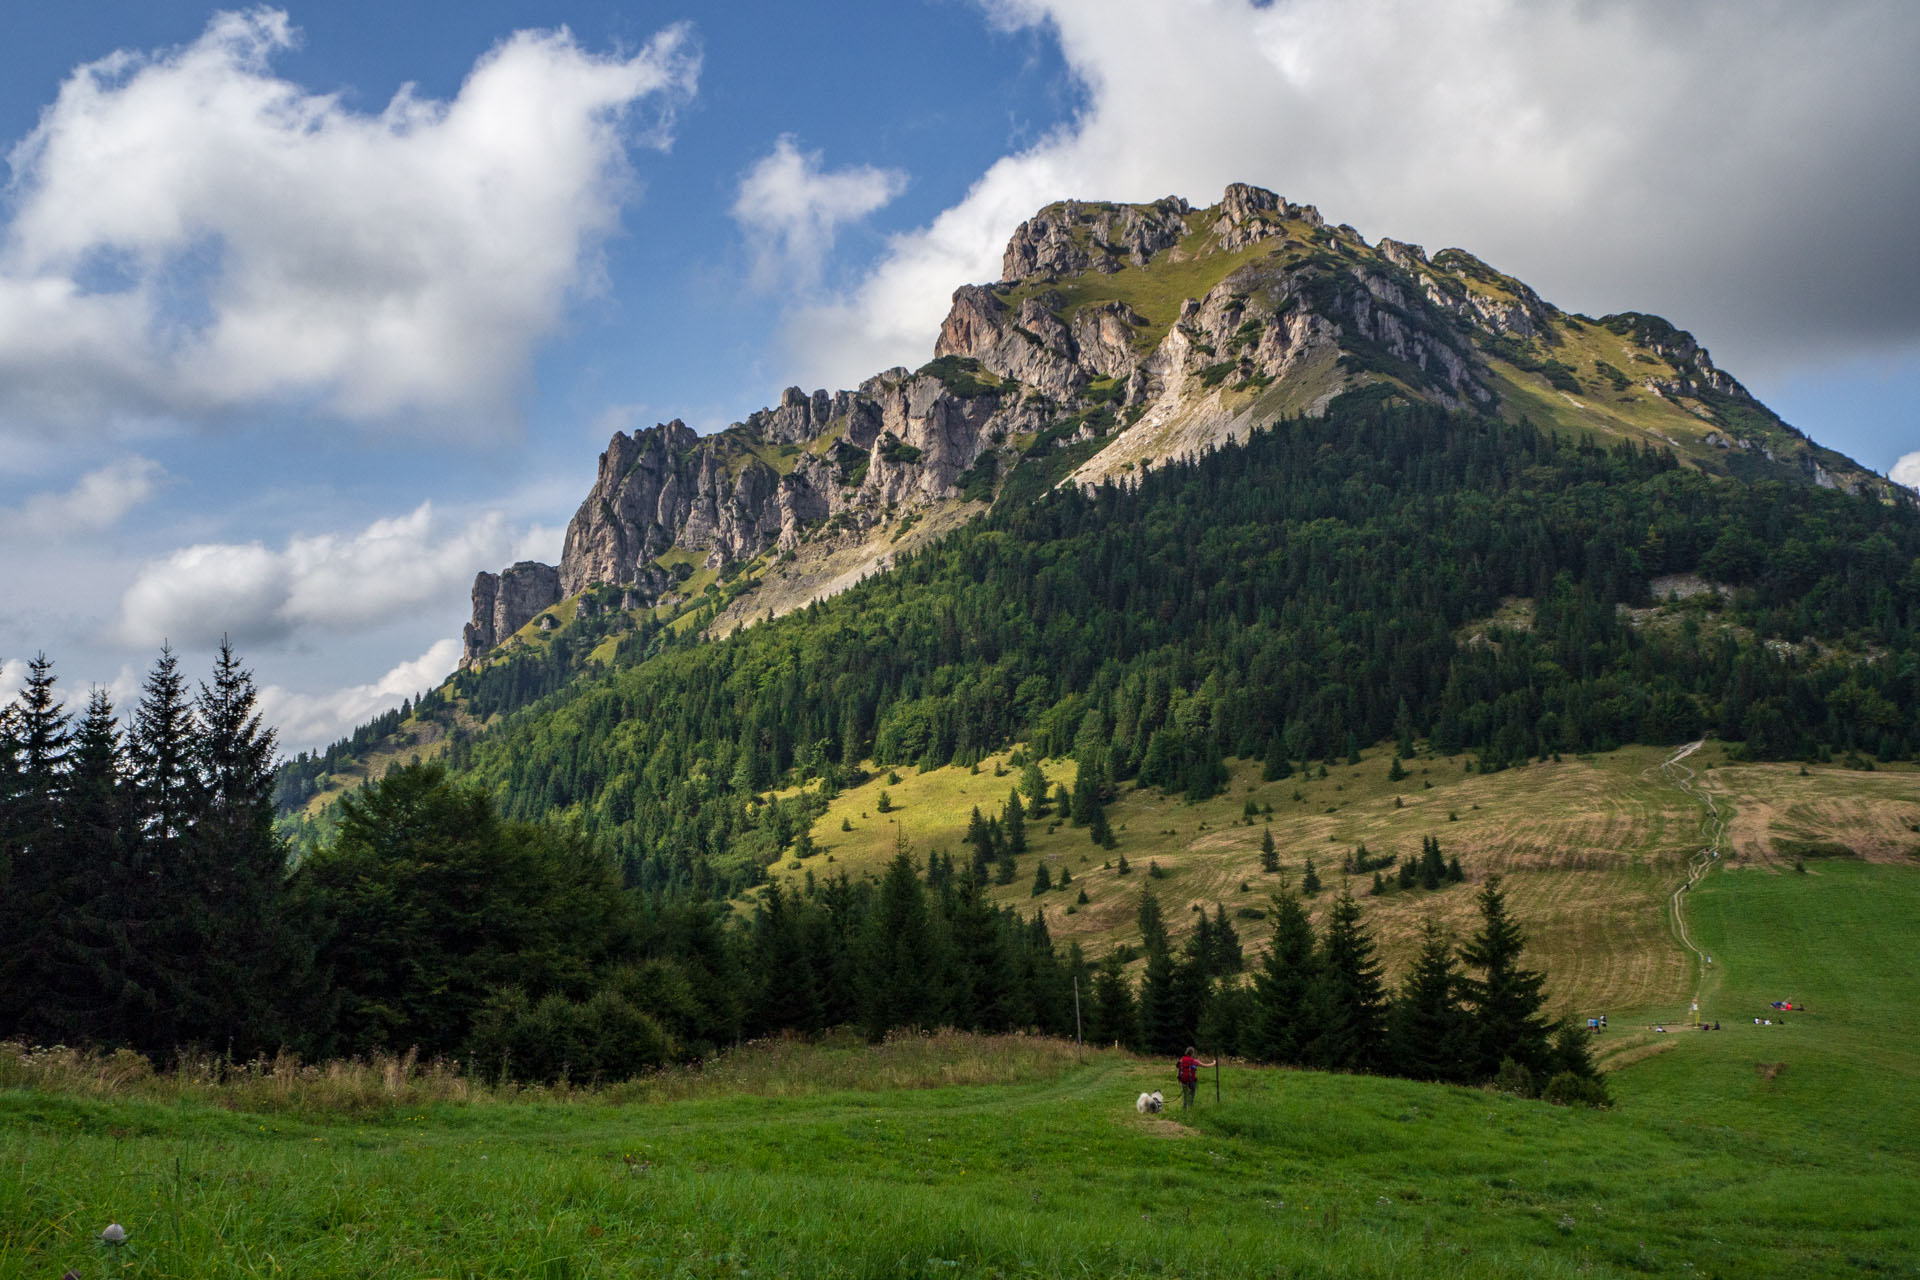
pixel 1121 335
pixel 1322 587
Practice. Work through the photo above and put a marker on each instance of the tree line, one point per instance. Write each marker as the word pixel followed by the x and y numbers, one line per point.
pixel 149 904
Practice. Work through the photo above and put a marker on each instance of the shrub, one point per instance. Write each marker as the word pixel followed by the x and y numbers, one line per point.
pixel 1515 1079
pixel 1570 1090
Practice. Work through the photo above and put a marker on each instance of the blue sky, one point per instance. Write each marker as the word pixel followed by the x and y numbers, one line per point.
pixel 282 357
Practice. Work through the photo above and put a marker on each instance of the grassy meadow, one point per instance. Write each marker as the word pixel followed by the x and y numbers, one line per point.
pixel 1591 848
pixel 1784 1150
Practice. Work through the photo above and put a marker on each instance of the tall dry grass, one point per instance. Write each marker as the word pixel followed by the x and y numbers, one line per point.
pixel 384 1083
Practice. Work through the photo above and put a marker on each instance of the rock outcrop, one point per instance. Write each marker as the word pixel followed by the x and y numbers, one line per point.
pixel 1079 342
pixel 507 601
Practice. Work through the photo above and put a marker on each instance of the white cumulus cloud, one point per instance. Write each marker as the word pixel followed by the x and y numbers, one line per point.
pixel 1727 163
pixel 1906 471
pixel 791 210
pixel 96 501
pixel 191 234
pixel 334 582
pixel 305 720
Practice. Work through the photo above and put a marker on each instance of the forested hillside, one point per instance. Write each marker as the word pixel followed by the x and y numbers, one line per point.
pixel 1292 598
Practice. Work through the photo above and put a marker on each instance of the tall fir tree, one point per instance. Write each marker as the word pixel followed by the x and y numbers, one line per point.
pixel 1148 917
pixel 99 921
pixel 788 998
pixel 1015 824
pixel 34 849
pixel 1034 783
pixel 1508 1000
pixel 1350 968
pixel 1281 1024
pixel 236 871
pixel 1162 1013
pixel 899 960
pixel 1114 1017
pixel 166 791
pixel 1431 1036
pixel 1227 957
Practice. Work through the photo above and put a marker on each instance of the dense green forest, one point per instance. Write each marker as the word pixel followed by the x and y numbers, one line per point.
pixel 146 903
pixel 1289 599
pixel 549 901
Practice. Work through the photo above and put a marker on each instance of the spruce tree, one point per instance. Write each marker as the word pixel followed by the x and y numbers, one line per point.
pixel 1097 829
pixel 1351 968
pixel 1113 1018
pixel 1034 784
pixel 980 840
pixel 899 960
pixel 1280 984
pixel 1162 1028
pixel 1227 958
pixel 165 789
pixel 1269 855
pixel 983 979
pixel 788 998
pixel 1086 799
pixel 1431 1036
pixel 1015 824
pixel 33 851
pixel 101 918
pixel 1042 879
pixel 1508 1000
pixel 1093 754
pixel 1277 765
pixel 1153 925
pixel 238 867
pixel 1190 987
pixel 1309 880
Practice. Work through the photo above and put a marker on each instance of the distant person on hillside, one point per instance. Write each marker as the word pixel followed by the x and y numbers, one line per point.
pixel 1188 1069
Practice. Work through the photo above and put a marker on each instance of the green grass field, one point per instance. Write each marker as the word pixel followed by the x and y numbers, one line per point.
pixel 1591 848
pixel 1786 1150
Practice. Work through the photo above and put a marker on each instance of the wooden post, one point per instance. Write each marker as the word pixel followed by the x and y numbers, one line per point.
pixel 1216 1080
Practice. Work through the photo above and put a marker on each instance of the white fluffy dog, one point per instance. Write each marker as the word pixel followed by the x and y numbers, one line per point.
pixel 1150 1103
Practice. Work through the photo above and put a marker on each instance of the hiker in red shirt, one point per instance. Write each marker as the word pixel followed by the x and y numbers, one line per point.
pixel 1189 1072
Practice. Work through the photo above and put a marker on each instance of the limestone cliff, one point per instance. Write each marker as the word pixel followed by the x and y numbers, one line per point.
pixel 1121 334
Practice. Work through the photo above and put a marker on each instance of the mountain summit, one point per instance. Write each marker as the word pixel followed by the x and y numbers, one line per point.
pixel 1120 335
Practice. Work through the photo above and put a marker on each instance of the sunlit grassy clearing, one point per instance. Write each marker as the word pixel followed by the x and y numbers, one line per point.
pixel 1591 848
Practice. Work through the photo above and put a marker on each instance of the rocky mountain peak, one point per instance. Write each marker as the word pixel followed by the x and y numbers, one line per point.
pixel 1120 334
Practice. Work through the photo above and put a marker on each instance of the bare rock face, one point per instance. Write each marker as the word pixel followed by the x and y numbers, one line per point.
pixel 1071 237
pixel 1034 348
pixel 504 603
